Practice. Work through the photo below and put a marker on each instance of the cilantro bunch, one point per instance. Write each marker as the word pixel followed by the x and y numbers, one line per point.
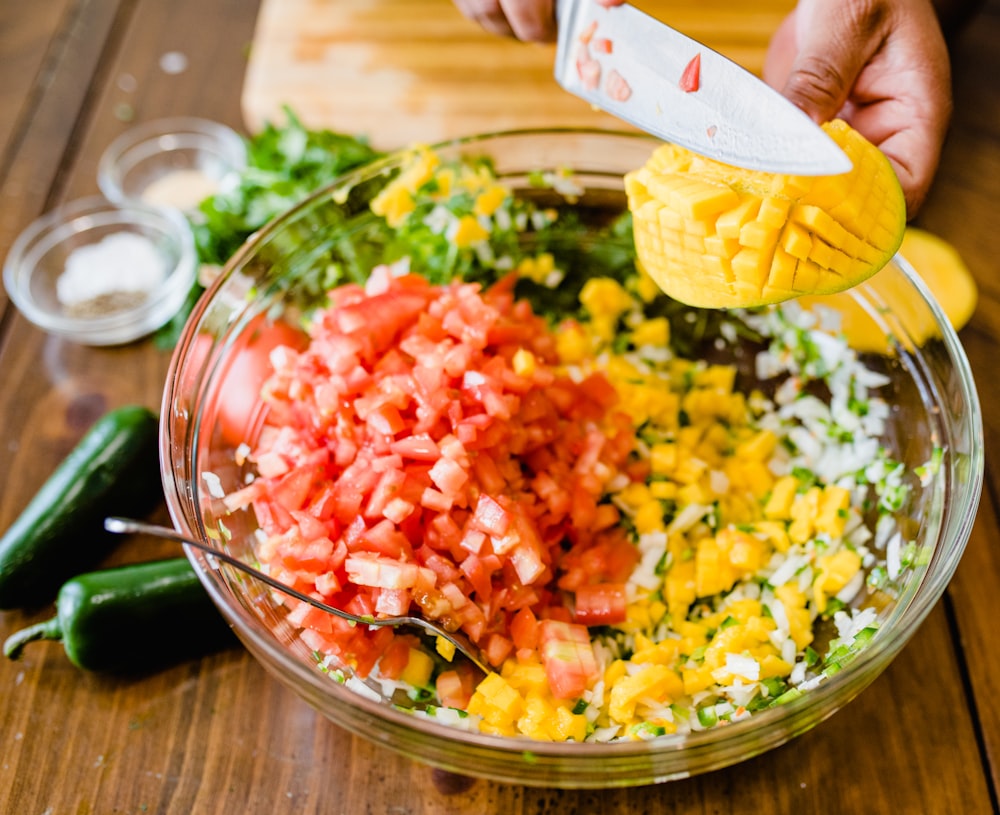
pixel 285 164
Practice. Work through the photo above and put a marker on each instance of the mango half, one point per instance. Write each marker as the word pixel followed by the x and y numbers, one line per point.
pixel 718 236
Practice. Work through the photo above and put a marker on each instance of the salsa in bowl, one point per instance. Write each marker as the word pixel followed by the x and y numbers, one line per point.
pixel 678 537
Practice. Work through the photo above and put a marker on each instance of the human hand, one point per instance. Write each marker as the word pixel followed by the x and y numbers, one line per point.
pixel 529 20
pixel 882 65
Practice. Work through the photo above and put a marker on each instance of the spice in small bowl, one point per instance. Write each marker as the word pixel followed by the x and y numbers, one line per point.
pixel 100 273
pixel 176 162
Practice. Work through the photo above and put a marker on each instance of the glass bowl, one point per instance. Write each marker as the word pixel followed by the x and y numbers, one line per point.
pixel 933 401
pixel 100 273
pixel 175 162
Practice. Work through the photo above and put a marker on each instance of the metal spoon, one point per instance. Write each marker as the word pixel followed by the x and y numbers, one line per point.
pixel 456 638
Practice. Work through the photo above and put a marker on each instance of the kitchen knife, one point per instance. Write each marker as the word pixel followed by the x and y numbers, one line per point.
pixel 634 67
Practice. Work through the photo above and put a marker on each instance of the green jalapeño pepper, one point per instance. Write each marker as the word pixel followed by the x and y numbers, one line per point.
pixel 132 619
pixel 114 469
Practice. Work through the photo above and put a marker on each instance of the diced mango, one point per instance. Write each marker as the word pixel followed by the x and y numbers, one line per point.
pixel 713 571
pixel 834 572
pixel 799 622
pixel 663 490
pixel 730 223
pixel 718 236
pixel 775 533
pixel 663 458
pixel 745 552
pixel 805 508
pixel 537 268
pixel 832 515
pixel 779 505
pixel 468 231
pixel 490 199
pixel 653 681
pixel 572 344
pixel 680 588
pixel 649 518
pixel 418 668
pixel 655 331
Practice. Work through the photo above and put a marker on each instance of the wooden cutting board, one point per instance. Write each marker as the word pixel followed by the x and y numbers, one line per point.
pixel 407 71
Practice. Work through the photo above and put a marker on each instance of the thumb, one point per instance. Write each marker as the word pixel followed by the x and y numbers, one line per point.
pixel 833 46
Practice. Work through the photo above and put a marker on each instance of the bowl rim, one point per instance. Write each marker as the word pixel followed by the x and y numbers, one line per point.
pixel 801 713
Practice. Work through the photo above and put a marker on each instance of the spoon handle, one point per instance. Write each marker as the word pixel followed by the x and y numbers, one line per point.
pixel 128 525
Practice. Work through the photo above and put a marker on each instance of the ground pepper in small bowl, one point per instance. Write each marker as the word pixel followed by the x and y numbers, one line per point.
pixel 100 273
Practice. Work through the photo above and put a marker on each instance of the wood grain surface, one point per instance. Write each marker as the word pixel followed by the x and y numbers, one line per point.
pixel 219 735
pixel 404 71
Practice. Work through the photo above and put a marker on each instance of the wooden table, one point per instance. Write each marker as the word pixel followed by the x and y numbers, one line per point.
pixel 219 735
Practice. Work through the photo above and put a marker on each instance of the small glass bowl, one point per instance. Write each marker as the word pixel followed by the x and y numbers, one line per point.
pixel 39 258
pixel 930 388
pixel 174 162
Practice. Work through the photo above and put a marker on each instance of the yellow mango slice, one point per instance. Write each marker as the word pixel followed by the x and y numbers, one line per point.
pixel 939 265
pixel 718 236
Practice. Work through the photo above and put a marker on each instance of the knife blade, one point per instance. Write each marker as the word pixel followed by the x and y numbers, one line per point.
pixel 633 66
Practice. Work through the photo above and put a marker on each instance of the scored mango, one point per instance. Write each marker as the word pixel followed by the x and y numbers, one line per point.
pixel 718 236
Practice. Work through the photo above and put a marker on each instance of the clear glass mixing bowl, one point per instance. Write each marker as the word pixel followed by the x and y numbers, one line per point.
pixel 932 395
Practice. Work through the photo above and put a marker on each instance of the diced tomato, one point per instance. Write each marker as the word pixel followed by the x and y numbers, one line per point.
pixel 443 532
pixel 442 566
pixel 296 554
pixel 381 572
pixel 568 658
pixel 402 460
pixel 240 382
pixel 448 475
pixel 479 578
pixel 436 500
pixel 369 648
pixel 392 602
pixel 527 555
pixel 454 689
pixel 381 317
pixel 398 510
pixel 498 648
pixel 310 527
pixel 328 583
pixel 389 485
pixel 386 539
pixel 606 515
pixel 307 616
pixel 617 87
pixel 691 78
pixel 524 629
pixel 601 604
pixel 490 517
pixel 292 491
pixel 419 446
pixel 395 657
pixel 386 420
pixel 609 558
pixel 588 69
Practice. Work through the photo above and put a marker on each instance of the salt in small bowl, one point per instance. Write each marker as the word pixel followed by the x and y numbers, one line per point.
pixel 100 273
